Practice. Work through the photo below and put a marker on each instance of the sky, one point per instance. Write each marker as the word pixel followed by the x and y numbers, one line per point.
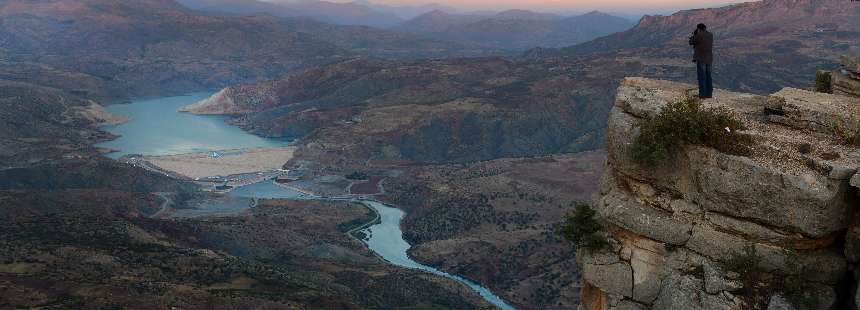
pixel 562 6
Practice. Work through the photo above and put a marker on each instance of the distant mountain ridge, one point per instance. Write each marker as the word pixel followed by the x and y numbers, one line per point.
pixel 408 11
pixel 359 37
pixel 759 46
pixel 752 19
pixel 515 29
pixel 350 13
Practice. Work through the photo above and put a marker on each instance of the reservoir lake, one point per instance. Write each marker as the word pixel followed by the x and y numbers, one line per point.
pixel 155 127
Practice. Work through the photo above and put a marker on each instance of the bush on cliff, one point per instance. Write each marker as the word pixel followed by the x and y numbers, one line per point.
pixel 686 122
pixel 823 82
pixel 357 176
pixel 583 230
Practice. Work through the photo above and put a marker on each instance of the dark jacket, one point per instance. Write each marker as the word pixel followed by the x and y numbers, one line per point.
pixel 703 44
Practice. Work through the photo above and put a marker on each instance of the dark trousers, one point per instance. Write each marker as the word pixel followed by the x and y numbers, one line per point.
pixel 706 86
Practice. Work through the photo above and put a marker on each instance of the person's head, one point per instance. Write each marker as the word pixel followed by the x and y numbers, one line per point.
pixel 701 27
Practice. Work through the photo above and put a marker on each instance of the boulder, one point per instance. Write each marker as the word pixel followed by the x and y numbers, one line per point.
pixel 777 302
pixel 805 202
pixel 628 305
pixel 621 210
pixel 855 180
pixel 844 85
pixel 851 64
pixel 818 112
pixel 606 272
pixel 718 281
pixel 687 292
pixel 814 298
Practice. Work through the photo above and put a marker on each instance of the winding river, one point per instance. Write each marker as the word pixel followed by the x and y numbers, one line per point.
pixel 156 128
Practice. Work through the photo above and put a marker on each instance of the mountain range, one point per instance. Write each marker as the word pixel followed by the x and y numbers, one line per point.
pixel 507 30
pixel 515 29
pixel 487 154
pixel 329 12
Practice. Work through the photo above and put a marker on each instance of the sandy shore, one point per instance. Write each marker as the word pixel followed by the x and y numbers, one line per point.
pixel 230 162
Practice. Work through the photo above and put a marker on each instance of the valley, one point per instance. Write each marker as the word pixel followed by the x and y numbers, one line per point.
pixel 251 174
pixel 425 167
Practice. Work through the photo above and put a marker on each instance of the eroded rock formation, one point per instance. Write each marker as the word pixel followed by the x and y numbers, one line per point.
pixel 846 80
pixel 709 230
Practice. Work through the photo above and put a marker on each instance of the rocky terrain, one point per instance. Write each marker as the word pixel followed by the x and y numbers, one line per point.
pixel 708 230
pixel 846 80
pixel 515 29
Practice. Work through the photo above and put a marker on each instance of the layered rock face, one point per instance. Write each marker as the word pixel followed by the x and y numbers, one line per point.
pixel 846 80
pixel 709 230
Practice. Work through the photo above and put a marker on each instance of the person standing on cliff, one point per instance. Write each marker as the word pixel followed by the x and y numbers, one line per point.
pixel 703 45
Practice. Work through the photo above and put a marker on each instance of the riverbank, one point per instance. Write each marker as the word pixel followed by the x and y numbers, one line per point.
pixel 201 165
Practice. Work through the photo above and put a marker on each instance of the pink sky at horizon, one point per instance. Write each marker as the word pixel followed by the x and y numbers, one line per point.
pixel 626 6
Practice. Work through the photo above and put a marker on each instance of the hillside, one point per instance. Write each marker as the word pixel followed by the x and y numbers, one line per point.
pixel 388 44
pixel 79 234
pixel 149 47
pixel 428 111
pixel 515 29
pixel 42 124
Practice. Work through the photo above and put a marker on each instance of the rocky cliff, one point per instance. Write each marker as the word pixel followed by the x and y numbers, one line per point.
pixel 846 80
pixel 774 230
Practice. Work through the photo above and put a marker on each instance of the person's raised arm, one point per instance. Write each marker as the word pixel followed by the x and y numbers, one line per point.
pixel 695 38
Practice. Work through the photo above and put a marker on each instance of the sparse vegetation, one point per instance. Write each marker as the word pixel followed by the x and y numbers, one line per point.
pixel 583 229
pixel 823 82
pixel 358 175
pixel 686 122
pixel 848 131
pixel 745 262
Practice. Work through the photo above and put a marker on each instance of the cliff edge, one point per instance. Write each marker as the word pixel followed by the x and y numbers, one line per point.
pixel 772 230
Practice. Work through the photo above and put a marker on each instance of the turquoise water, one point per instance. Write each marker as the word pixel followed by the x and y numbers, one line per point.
pixel 385 238
pixel 157 128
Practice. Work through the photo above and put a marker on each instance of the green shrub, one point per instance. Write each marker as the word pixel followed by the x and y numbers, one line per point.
pixel 358 175
pixel 687 122
pixel 583 230
pixel 823 82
